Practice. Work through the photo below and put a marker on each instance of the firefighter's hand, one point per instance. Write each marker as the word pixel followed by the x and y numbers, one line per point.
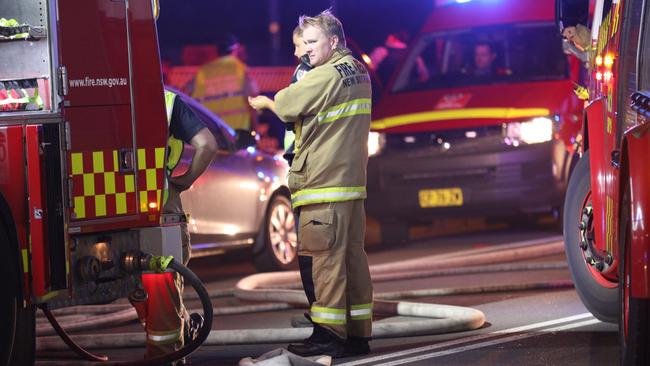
pixel 180 183
pixel 260 102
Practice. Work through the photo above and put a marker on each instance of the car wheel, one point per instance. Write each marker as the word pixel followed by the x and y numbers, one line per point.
pixel 633 325
pixel 595 280
pixel 278 235
pixel 17 330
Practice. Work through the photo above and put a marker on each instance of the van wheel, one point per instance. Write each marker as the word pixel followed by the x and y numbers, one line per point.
pixel 17 324
pixel 593 275
pixel 278 234
pixel 633 321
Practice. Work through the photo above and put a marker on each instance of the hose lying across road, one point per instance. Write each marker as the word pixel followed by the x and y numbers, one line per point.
pixel 278 291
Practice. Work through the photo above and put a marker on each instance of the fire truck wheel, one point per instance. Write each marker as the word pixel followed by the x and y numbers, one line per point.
pixel 598 292
pixel 17 326
pixel 278 236
pixel 633 321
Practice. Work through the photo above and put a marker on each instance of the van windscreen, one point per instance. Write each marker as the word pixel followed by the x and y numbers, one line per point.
pixel 501 54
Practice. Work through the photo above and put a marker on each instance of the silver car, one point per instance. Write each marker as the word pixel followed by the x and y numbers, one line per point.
pixel 241 200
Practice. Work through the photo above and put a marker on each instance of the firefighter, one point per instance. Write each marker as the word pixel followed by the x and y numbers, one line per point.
pixel 223 85
pixel 331 105
pixel 167 323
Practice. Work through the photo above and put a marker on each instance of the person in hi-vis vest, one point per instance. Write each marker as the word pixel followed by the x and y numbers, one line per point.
pixel 167 323
pixel 223 86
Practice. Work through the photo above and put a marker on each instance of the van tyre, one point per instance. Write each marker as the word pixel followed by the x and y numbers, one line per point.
pixel 633 321
pixel 278 237
pixel 598 295
pixel 17 324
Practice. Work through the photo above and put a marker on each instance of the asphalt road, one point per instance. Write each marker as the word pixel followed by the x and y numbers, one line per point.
pixel 533 327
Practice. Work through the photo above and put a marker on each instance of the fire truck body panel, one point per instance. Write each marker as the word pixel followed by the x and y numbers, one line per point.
pixel 608 252
pixel 116 167
pixel 82 173
pixel 638 149
pixel 12 186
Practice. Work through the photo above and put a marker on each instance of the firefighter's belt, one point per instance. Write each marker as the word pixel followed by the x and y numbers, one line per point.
pixel 174 218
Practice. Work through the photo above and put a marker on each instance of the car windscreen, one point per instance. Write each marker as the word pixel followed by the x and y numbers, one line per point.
pixel 479 56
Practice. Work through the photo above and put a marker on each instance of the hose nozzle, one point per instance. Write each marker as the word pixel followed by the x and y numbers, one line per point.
pixel 138 261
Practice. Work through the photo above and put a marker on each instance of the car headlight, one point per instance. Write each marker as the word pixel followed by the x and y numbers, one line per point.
pixel 376 142
pixel 531 132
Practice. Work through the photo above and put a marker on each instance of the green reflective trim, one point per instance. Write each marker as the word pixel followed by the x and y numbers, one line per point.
pixel 161 338
pixel 289 138
pixel 8 22
pixel 361 312
pixel 327 321
pixel 169 105
pixel 319 195
pixel 25 260
pixel 324 315
pixel 319 309
pixel 36 99
pixel 351 108
pixel 10 100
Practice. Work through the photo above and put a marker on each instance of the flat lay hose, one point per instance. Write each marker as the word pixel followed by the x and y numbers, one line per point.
pixel 431 318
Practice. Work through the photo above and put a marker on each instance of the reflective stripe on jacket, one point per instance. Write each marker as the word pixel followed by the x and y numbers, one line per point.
pixel 332 105
pixel 174 145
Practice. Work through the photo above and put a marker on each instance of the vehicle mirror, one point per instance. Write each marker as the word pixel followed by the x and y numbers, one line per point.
pixel 245 139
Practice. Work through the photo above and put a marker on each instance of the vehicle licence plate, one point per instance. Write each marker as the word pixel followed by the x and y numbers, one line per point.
pixel 444 197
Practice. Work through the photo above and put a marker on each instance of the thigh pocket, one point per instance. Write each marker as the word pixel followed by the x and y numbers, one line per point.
pixel 317 230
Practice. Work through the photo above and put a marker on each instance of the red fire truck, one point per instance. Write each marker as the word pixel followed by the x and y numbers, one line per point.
pixel 83 139
pixel 606 228
pixel 480 118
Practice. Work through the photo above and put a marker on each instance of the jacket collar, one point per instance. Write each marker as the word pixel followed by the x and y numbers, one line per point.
pixel 337 55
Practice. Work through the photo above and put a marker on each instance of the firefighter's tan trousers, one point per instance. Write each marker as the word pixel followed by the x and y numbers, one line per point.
pixel 334 267
pixel 165 309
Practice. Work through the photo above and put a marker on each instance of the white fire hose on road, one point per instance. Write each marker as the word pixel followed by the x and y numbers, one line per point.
pixel 275 290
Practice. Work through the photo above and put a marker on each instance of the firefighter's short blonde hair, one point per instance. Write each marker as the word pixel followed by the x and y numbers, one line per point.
pixel 297 31
pixel 327 22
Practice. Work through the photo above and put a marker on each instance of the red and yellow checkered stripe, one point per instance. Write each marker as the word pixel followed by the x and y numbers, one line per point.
pixel 100 190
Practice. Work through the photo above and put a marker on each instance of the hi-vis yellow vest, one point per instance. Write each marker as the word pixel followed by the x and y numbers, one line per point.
pixel 219 86
pixel 174 145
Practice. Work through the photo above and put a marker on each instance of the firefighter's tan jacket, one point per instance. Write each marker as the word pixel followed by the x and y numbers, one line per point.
pixel 332 106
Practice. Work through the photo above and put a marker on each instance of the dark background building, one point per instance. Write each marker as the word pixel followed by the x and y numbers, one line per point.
pixel 196 22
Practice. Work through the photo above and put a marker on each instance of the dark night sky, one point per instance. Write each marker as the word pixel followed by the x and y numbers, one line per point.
pixel 202 21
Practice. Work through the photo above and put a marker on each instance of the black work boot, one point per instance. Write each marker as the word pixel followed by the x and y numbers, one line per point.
pixel 357 346
pixel 321 342
pixel 192 327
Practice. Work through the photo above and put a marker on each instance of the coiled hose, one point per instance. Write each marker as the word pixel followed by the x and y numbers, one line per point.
pixel 185 351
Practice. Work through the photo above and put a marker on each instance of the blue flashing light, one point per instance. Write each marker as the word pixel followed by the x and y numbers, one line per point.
pixel 260 175
pixel 250 149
